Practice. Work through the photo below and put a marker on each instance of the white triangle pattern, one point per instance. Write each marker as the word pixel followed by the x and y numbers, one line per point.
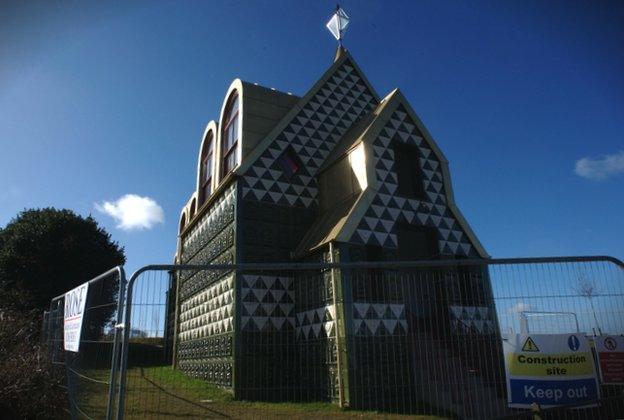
pixel 261 296
pixel 316 323
pixel 312 133
pixel 371 319
pixel 209 312
pixel 219 215
pixel 378 225
pixel 471 320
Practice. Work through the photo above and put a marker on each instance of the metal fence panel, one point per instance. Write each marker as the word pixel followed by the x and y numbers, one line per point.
pixel 301 340
pixel 91 371
pixel 398 338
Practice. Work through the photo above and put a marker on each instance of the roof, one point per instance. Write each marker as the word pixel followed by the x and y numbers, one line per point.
pixel 342 56
pixel 354 134
pixel 350 139
pixel 327 226
pixel 339 222
pixel 269 94
pixel 263 108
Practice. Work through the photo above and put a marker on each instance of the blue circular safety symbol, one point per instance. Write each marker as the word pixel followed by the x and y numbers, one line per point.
pixel 574 343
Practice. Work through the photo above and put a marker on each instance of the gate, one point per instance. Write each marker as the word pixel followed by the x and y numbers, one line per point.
pixel 307 340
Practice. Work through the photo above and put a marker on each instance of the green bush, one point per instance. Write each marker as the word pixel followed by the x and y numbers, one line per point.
pixel 46 252
pixel 30 386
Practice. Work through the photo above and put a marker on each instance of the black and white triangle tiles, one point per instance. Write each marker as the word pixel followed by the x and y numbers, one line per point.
pixel 371 319
pixel 378 225
pixel 212 223
pixel 267 303
pixel 471 320
pixel 208 313
pixel 268 306
pixel 312 134
pixel 316 323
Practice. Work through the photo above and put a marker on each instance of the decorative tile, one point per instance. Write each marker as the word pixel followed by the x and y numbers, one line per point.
pixel 378 226
pixel 316 323
pixel 212 224
pixel 470 320
pixel 267 303
pixel 193 281
pixel 206 348
pixel 219 373
pixel 208 313
pixel 311 134
pixel 372 319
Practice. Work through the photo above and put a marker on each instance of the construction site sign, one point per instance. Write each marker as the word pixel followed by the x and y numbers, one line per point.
pixel 550 370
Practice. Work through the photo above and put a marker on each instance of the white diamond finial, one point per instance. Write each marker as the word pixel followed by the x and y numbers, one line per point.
pixel 338 23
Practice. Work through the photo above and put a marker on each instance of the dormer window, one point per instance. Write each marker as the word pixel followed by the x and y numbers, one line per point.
pixel 206 168
pixel 230 136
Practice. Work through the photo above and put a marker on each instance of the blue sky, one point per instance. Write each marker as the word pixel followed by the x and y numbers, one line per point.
pixel 100 101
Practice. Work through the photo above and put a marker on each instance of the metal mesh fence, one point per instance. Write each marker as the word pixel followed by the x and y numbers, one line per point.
pixel 153 387
pixel 311 340
pixel 90 370
pixel 392 338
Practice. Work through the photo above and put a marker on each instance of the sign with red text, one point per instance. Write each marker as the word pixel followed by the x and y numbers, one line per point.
pixel 610 351
pixel 75 301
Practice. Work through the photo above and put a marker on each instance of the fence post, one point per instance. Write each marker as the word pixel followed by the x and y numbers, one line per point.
pixel 73 412
pixel 125 342
pixel 118 327
pixel 176 313
pixel 342 366
pixel 537 411
pixel 524 323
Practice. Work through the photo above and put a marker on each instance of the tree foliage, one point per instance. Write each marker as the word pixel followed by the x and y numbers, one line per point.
pixel 46 252
pixel 30 386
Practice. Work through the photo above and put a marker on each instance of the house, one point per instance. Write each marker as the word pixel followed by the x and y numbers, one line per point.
pixel 342 175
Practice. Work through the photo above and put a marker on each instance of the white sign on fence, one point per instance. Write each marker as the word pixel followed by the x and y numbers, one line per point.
pixel 550 369
pixel 75 301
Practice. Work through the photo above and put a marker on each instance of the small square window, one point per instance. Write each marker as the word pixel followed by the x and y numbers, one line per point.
pixel 290 162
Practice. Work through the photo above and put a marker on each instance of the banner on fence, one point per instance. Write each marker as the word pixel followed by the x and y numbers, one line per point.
pixel 549 369
pixel 610 351
pixel 75 301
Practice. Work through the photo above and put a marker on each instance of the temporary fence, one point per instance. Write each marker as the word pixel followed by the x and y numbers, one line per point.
pixel 265 340
pixel 92 369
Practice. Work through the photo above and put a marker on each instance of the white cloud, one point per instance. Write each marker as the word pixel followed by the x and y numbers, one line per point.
pixel 598 169
pixel 520 307
pixel 133 212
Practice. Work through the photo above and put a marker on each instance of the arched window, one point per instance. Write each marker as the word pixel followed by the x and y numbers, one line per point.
pixel 182 223
pixel 230 136
pixel 205 177
pixel 193 208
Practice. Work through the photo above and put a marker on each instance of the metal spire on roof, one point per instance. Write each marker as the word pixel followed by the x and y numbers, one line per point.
pixel 338 24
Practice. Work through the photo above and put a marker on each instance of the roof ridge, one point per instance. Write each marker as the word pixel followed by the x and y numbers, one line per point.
pixel 272 89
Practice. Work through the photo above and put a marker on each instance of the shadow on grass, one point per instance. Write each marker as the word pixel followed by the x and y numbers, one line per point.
pixel 163 392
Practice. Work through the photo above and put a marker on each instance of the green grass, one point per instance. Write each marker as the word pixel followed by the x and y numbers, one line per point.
pixel 173 379
pixel 164 392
